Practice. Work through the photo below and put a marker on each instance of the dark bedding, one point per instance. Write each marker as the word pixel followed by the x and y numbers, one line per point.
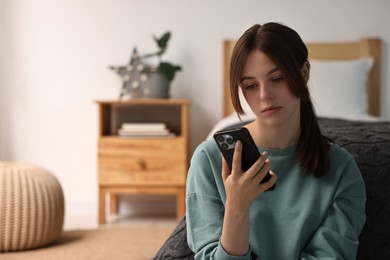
pixel 369 143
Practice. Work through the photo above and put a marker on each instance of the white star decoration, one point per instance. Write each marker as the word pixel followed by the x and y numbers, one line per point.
pixel 135 76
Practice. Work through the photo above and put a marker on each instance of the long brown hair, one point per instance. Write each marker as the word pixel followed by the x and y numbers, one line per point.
pixel 286 49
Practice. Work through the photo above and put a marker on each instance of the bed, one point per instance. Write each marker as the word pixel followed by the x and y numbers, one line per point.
pixel 352 121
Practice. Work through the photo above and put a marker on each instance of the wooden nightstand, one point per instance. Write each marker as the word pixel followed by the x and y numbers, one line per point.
pixel 142 165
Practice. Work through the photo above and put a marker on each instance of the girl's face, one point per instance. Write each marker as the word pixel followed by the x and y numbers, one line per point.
pixel 267 92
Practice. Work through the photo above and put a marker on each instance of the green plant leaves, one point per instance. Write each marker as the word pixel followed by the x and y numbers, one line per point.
pixel 168 70
pixel 162 42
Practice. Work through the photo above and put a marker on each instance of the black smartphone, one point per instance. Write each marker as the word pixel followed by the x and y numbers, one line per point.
pixel 226 140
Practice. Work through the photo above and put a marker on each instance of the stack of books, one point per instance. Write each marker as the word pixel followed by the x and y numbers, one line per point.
pixel 145 130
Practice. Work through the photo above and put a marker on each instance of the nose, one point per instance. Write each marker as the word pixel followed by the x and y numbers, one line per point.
pixel 265 92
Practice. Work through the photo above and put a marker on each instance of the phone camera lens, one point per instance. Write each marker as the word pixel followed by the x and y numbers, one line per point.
pixel 221 139
pixel 224 146
pixel 229 141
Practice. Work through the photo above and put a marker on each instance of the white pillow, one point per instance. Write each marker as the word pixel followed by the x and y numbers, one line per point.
pixel 338 88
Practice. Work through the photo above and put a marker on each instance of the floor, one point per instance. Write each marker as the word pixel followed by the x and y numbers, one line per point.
pixel 133 211
pixel 85 221
pixel 138 237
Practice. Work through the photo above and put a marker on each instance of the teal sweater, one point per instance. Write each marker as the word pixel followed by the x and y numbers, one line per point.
pixel 303 218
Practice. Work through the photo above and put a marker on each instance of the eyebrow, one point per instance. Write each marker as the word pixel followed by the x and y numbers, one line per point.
pixel 269 73
pixel 272 71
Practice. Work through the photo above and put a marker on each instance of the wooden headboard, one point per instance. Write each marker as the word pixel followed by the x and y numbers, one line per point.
pixel 324 51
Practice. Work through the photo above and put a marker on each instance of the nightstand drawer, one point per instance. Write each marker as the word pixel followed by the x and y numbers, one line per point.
pixel 142 161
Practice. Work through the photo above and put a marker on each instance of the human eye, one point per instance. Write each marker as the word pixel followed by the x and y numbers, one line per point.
pixel 249 84
pixel 277 79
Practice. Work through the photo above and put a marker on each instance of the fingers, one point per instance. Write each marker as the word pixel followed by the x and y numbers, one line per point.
pixel 271 182
pixel 262 165
pixel 225 169
pixel 256 172
pixel 260 170
pixel 236 164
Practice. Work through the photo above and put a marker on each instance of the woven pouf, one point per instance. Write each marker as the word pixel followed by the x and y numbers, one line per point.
pixel 31 207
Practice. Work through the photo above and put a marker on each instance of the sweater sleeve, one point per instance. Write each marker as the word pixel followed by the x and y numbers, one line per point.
pixel 337 235
pixel 205 208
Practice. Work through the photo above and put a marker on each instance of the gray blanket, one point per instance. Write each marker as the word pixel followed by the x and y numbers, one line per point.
pixel 369 143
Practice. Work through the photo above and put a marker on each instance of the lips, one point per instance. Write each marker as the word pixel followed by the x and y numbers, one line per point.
pixel 271 109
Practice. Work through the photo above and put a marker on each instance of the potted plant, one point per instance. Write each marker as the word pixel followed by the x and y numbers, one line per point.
pixel 142 80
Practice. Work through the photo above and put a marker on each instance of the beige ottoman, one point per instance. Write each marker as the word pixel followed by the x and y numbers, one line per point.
pixel 31 207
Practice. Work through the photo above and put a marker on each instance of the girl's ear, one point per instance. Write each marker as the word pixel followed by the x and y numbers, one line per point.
pixel 305 70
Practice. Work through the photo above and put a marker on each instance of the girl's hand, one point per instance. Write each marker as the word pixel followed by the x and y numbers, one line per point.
pixel 242 188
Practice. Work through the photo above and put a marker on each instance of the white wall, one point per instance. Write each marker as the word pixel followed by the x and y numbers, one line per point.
pixel 4 59
pixel 55 56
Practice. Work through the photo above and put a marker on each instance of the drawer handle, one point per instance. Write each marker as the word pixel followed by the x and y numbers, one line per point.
pixel 142 164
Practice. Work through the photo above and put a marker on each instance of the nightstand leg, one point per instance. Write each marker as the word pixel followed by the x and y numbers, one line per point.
pixel 102 206
pixel 113 203
pixel 180 203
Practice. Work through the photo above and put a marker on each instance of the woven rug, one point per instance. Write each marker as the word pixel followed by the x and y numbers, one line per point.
pixel 119 243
